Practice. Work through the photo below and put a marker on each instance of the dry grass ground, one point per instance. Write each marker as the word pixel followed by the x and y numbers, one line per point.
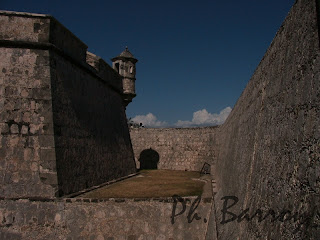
pixel 152 183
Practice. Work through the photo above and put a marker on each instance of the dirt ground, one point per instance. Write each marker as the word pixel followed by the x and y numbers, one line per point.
pixel 150 184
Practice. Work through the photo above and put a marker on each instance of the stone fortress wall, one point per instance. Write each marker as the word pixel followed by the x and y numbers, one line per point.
pixel 269 156
pixel 178 148
pixel 56 112
pixel 266 154
pixel 101 219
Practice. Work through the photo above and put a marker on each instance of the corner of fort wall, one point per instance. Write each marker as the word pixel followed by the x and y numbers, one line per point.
pixel 56 111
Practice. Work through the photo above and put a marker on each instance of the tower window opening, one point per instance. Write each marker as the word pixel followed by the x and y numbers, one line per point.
pixel 131 69
pixel 117 66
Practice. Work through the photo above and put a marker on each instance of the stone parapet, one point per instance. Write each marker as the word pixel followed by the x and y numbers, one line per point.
pixel 105 71
pixel 103 219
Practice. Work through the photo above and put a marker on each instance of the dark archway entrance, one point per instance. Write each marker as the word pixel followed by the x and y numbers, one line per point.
pixel 149 159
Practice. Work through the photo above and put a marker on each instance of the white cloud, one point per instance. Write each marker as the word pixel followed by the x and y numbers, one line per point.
pixel 200 118
pixel 204 118
pixel 148 120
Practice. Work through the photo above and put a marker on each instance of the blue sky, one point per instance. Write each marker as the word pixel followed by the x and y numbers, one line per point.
pixel 195 57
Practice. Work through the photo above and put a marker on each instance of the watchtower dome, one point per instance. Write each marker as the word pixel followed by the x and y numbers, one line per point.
pixel 125 65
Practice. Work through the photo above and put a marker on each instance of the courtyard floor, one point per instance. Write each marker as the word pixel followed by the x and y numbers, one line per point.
pixel 151 184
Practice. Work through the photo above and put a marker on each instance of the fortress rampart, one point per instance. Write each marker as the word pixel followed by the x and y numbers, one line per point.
pixel 270 144
pixel 58 103
pixel 56 111
pixel 108 219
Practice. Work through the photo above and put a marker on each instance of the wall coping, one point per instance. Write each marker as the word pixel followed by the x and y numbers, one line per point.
pixel 24 14
pixel 39 15
pixel 52 45
pixel 175 128
pixel 100 200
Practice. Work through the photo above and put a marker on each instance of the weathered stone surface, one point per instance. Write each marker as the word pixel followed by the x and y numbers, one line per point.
pixel 63 123
pixel 91 135
pixel 269 145
pixel 178 148
pixel 22 121
pixel 101 220
pixel 266 155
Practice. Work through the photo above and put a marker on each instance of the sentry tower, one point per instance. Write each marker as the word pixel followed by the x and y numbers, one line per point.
pixel 125 65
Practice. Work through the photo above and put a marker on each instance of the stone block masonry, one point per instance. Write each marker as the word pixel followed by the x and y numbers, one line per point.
pixel 26 123
pixel 269 154
pixel 62 120
pixel 56 113
pixel 178 148
pixel 108 219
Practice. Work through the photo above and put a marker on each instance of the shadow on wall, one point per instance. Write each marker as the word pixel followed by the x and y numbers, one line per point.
pixel 149 159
